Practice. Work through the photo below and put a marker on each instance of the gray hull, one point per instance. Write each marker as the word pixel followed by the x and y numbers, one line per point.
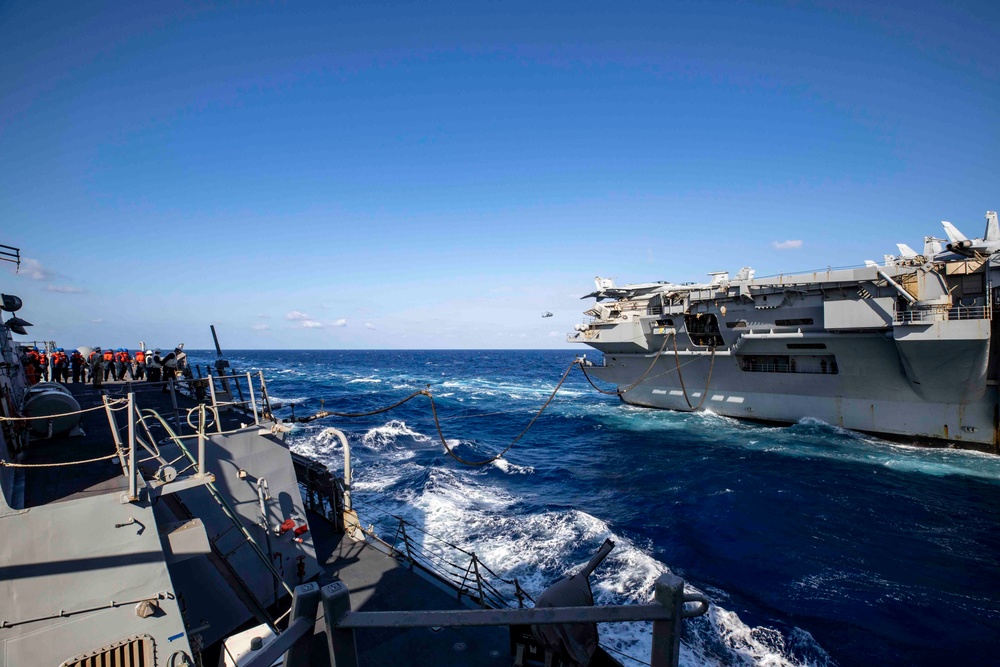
pixel 859 401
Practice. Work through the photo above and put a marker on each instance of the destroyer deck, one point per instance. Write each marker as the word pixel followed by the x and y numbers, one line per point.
pixel 377 582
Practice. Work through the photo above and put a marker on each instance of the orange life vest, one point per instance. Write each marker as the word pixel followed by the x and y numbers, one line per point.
pixel 140 357
pixel 42 359
pixel 109 355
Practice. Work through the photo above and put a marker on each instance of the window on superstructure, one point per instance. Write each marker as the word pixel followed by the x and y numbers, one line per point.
pixel 799 321
pixel 817 364
pixel 741 324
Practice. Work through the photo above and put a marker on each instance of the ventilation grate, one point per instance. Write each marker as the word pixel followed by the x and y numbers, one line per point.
pixel 136 651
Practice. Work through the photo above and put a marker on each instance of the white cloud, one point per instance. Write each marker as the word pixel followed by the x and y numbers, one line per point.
pixel 98 320
pixel 791 244
pixel 33 269
pixel 64 289
pixel 261 327
pixel 305 321
pixel 369 325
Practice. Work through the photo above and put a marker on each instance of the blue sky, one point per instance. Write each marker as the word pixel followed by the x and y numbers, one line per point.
pixel 438 175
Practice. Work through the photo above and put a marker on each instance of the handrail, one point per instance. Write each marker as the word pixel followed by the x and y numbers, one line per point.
pixel 447 562
pixel 668 612
pixel 246 405
pixel 459 568
pixel 943 314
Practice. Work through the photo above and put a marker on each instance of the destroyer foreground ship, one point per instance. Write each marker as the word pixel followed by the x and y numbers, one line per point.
pixel 167 524
pixel 901 348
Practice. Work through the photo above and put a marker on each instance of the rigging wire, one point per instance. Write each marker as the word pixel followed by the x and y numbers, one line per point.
pixel 437 424
pixel 680 377
pixel 622 392
pixel 438 420
pixel 576 362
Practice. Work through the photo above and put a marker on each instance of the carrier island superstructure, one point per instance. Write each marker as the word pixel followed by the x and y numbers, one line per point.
pixel 899 348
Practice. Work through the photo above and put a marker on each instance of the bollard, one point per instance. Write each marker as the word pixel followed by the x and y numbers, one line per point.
pixel 305 602
pixel 336 605
pixel 669 592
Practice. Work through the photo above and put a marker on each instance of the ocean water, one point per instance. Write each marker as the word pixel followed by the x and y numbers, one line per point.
pixel 816 546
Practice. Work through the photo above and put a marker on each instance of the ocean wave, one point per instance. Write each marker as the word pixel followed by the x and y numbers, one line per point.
pixel 512 468
pixel 389 433
pixel 536 549
pixel 298 400
pixel 517 514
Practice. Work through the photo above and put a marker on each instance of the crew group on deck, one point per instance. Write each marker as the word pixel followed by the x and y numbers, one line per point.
pixel 100 365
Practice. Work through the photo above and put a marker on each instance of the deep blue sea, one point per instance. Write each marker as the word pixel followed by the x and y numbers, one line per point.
pixel 817 546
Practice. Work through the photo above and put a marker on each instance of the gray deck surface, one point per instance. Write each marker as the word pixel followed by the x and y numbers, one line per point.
pixel 46 485
pixel 376 581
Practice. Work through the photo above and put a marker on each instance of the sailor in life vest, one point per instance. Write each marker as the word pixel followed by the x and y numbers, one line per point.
pixel 43 366
pixel 108 363
pixel 125 359
pixel 60 364
pixel 119 369
pixel 77 363
pixel 139 367
pixel 31 365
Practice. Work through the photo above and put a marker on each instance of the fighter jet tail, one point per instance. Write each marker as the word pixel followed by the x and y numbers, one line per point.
pixel 932 246
pixel 992 227
pixel 952 232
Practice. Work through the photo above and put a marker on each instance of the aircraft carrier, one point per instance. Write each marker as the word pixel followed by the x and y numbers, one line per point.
pixel 167 524
pixel 899 348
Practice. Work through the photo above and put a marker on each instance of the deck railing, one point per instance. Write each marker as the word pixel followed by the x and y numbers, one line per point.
pixel 451 565
pixel 458 568
pixel 942 314
pixel 668 611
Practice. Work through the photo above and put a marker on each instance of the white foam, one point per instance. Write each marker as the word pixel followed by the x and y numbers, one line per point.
pixel 288 401
pixel 471 508
pixel 388 434
pixel 512 468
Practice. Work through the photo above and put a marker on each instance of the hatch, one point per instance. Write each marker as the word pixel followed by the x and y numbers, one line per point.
pixel 703 328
